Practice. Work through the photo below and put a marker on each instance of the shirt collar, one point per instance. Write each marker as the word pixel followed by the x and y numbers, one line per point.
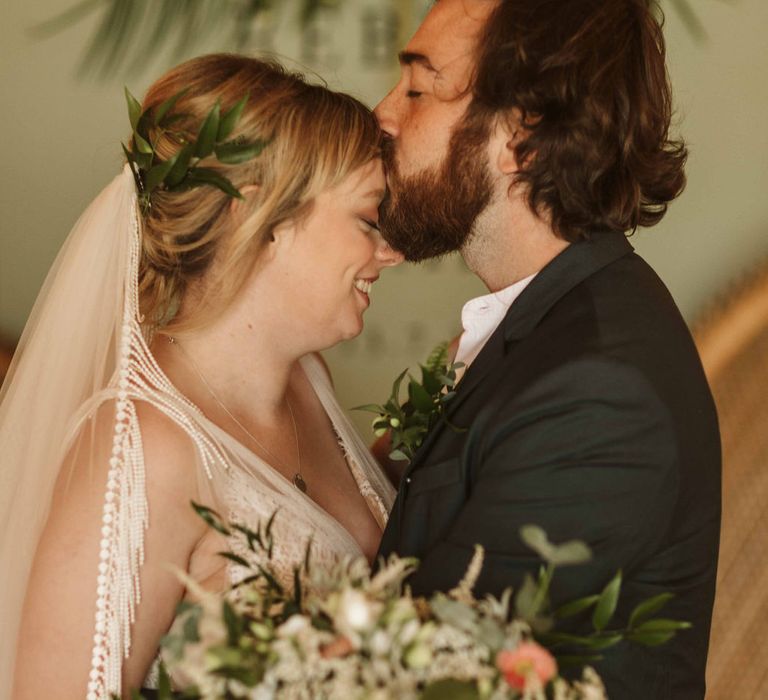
pixel 481 316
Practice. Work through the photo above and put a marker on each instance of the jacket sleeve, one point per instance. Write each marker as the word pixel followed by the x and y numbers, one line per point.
pixel 588 451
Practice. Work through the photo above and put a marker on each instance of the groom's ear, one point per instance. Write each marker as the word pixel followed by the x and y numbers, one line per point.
pixel 506 133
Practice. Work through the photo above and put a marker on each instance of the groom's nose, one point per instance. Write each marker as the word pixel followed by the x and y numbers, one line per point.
pixel 386 113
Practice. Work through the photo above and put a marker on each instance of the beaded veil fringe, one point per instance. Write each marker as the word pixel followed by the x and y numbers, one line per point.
pixel 125 514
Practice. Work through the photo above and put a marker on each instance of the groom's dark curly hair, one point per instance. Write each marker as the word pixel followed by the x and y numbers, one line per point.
pixel 587 79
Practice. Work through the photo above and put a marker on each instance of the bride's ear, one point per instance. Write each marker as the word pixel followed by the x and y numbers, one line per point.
pixel 282 234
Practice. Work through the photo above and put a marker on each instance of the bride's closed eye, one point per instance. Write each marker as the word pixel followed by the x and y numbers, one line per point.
pixel 370 224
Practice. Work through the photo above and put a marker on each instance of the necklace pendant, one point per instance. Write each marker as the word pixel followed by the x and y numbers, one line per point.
pixel 299 482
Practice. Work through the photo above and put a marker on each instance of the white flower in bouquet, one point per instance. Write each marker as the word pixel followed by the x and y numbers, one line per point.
pixel 354 614
pixel 292 626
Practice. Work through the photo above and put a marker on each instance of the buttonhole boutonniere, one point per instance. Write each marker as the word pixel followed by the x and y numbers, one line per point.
pixel 409 421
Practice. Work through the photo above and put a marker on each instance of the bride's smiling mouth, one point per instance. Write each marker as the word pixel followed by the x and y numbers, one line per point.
pixel 363 286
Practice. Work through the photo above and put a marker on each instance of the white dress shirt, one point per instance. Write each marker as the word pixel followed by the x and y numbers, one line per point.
pixel 481 316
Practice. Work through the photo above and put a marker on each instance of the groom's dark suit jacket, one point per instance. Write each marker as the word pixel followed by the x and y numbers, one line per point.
pixel 587 413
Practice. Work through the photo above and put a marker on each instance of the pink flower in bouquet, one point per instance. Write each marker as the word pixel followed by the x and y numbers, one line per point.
pixel 529 659
pixel 341 646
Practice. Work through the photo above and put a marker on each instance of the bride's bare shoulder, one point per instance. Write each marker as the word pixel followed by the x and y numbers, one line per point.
pixel 62 586
pixel 168 452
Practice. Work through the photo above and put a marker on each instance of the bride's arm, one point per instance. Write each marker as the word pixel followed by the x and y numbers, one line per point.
pixel 56 639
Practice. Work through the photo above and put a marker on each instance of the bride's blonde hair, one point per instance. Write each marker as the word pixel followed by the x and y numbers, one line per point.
pixel 316 138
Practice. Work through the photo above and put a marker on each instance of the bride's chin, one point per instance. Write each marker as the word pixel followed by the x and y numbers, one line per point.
pixel 342 336
pixel 351 333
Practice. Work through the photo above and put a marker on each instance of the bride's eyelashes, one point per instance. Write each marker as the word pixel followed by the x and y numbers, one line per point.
pixel 369 223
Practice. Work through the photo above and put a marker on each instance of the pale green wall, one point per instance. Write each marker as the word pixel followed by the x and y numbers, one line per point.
pixel 60 146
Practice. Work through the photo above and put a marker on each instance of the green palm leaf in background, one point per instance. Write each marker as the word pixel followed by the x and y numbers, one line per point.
pixel 132 32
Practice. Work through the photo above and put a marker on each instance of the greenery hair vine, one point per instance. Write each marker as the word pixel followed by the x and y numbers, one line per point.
pixel 181 172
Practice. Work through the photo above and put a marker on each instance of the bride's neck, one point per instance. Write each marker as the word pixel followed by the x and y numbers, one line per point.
pixel 244 364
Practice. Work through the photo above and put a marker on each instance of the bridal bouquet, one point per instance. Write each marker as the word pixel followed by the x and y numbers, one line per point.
pixel 347 632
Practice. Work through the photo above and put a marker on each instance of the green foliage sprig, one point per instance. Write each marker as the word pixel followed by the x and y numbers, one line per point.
pixel 408 422
pixel 532 605
pixel 181 172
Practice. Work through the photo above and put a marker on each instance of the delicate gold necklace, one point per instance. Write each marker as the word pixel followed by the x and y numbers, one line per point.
pixel 298 479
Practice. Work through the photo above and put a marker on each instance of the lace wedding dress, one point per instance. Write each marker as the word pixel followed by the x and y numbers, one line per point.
pixel 248 490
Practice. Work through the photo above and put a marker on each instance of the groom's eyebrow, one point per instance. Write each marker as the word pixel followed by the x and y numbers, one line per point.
pixel 408 58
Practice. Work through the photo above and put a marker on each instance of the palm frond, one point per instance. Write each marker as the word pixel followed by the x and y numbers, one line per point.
pixel 690 19
pixel 133 32
pixel 62 21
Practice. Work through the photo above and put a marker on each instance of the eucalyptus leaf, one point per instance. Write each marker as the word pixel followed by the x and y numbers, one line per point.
pixel 143 160
pixel 537 540
pixel 598 643
pixel 662 625
pixel 648 608
pixel 227 657
pixel 606 605
pixel 430 381
pixel 553 639
pixel 569 553
pixel 230 118
pixel 206 176
pixel 233 623
pixel 413 432
pixel 298 591
pixel 179 170
pixel 142 144
pixel 594 642
pixel 576 606
pixel 419 397
pixel 491 633
pixel 234 153
pixel 455 613
pixel 577 661
pixel 163 683
pixel 396 384
pixel 156 175
pixel 525 599
pixel 650 639
pixel 167 105
pixel 234 558
pixel 270 579
pixel 370 408
pixel 206 137
pixel 189 629
pixel 134 108
pixel 212 518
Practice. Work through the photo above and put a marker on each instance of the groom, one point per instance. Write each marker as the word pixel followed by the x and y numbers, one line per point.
pixel 531 136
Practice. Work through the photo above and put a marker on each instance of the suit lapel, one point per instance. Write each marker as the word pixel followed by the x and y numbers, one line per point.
pixel 563 273
pixel 488 359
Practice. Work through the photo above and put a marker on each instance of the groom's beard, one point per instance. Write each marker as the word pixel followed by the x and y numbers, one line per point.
pixel 432 213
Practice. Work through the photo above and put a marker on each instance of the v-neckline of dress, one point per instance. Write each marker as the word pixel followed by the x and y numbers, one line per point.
pixel 356 474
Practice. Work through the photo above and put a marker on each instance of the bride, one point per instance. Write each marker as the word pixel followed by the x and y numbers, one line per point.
pixel 171 357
